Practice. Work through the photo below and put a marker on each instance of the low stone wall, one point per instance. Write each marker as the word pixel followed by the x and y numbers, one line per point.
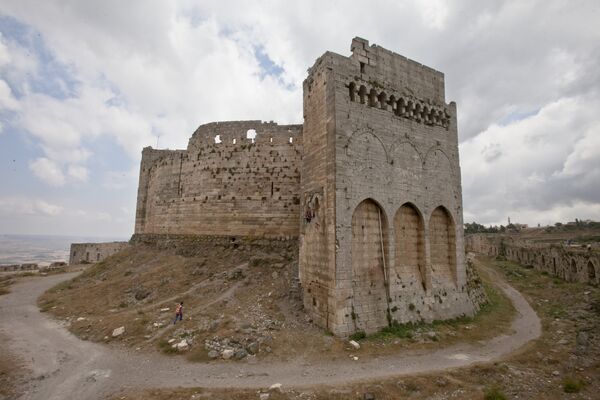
pixel 94 252
pixel 18 267
pixel 573 264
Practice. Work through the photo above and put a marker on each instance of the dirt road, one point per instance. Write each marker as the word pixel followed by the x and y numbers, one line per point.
pixel 65 367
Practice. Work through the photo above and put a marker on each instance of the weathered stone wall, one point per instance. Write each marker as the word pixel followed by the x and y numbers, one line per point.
pixel 384 166
pixel 18 267
pixel 238 187
pixel 573 264
pixel 94 252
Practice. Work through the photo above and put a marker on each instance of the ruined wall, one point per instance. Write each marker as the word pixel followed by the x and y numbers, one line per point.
pixel 573 264
pixel 238 187
pixel 397 206
pixel 94 252
pixel 18 267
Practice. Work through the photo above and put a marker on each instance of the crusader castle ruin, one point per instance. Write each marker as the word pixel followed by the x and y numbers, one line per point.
pixel 369 186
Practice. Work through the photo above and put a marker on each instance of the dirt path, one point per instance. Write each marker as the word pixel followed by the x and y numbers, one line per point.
pixel 65 367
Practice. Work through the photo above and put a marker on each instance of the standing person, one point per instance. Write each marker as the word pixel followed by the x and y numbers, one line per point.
pixel 178 313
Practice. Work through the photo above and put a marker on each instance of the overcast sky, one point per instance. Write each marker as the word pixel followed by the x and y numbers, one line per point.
pixel 84 86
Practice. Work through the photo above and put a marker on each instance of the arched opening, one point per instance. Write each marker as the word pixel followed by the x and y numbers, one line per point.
pixel 409 233
pixel 573 270
pixel 401 107
pixel 382 100
pixel 369 265
pixel 591 272
pixel 410 109
pixel 373 98
pixel 362 93
pixel 442 245
pixel 418 113
pixel 352 90
pixel 392 103
pixel 251 134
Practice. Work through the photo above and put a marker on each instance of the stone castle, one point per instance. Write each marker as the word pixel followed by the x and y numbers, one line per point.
pixel 369 185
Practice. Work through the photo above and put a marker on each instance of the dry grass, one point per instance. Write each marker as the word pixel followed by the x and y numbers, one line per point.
pixel 130 288
pixel 549 368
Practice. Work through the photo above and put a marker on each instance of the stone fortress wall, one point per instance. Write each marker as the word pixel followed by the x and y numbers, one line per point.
pixel 224 183
pixel 18 267
pixel 573 264
pixel 381 175
pixel 94 252
pixel 369 184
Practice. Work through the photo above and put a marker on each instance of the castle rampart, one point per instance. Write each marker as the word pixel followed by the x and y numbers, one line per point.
pixel 573 264
pixel 225 183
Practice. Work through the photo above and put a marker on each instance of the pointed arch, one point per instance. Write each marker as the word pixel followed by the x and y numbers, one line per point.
pixel 369 261
pixel 442 247
pixel 409 234
pixel 358 136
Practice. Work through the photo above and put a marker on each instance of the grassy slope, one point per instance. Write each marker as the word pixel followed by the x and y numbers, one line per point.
pixel 546 369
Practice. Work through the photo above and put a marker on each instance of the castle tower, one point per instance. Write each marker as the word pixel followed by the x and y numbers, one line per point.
pixel 381 237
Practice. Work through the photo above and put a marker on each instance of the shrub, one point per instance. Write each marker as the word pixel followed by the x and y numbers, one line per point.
pixel 358 335
pixel 494 393
pixel 571 385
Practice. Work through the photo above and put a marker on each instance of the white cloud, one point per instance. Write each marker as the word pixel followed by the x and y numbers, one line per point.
pixel 48 171
pixel 78 172
pixel 25 206
pixel 7 100
pixel 537 169
pixel 524 76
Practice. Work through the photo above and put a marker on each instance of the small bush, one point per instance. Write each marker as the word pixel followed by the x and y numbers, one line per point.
pixel 358 335
pixel 571 385
pixel 494 393
pixel 166 347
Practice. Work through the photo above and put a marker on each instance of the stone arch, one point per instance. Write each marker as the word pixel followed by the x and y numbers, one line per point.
pixel 364 137
pixel 573 270
pixel 409 234
pixel 442 247
pixel 436 161
pixel 591 270
pixel 369 265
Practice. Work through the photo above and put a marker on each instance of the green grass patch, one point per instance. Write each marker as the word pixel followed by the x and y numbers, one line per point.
pixel 166 347
pixel 494 393
pixel 359 335
pixel 571 385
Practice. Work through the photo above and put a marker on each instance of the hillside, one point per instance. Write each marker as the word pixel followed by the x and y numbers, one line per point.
pixel 237 295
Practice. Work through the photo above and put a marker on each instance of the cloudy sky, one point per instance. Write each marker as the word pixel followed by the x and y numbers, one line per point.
pixel 84 86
